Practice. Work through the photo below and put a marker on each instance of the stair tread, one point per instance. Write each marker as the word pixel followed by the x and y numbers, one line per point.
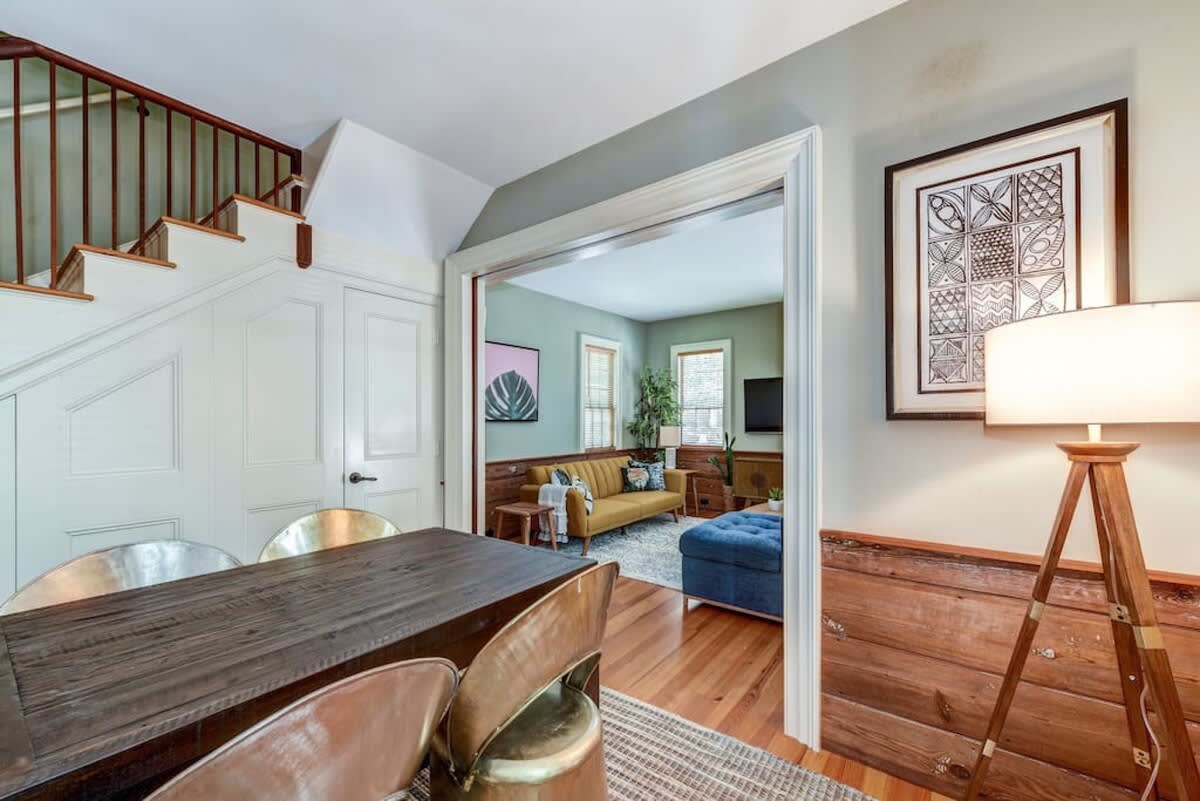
pixel 47 291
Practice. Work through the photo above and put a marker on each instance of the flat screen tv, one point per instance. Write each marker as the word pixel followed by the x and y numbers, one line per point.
pixel 764 405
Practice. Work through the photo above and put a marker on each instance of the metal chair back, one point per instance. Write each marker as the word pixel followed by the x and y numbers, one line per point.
pixel 360 739
pixel 123 567
pixel 328 528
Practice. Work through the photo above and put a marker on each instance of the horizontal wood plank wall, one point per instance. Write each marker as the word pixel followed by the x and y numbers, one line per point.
pixel 916 640
pixel 708 480
pixel 503 480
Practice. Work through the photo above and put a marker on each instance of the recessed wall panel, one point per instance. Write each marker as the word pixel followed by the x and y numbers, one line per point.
pixel 128 427
pixel 392 363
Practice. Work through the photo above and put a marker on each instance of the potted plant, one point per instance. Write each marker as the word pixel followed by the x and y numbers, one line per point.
pixel 775 499
pixel 658 406
pixel 725 468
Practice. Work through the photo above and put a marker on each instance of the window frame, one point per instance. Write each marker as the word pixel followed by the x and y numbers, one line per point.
pixel 586 340
pixel 726 347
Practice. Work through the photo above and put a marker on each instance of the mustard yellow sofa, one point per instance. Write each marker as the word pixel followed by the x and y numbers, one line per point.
pixel 612 507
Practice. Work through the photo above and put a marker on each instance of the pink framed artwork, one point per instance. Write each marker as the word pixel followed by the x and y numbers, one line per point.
pixel 510 383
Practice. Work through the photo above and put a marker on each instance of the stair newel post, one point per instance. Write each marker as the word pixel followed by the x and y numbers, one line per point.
pixel 20 228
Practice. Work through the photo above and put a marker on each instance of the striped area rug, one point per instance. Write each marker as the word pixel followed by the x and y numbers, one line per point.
pixel 654 755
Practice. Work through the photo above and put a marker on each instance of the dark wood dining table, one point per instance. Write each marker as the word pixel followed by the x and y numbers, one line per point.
pixel 108 697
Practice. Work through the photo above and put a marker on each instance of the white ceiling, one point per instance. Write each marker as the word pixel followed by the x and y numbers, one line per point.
pixel 494 89
pixel 724 265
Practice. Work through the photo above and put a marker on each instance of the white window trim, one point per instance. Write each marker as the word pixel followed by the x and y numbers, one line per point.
pixel 725 345
pixel 618 421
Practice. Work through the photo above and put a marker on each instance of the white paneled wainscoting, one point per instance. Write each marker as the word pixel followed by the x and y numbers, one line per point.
pixel 223 415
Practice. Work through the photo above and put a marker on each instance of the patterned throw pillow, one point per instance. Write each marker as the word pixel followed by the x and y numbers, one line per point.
pixel 636 478
pixel 581 485
pixel 559 477
pixel 658 480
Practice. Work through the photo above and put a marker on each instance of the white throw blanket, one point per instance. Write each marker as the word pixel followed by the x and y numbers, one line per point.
pixel 555 495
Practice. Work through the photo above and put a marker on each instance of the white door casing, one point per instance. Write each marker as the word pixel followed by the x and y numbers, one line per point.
pixel 277 408
pixel 116 448
pixel 393 409
pixel 791 161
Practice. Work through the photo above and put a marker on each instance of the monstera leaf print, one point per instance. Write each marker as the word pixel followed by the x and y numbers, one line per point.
pixel 509 397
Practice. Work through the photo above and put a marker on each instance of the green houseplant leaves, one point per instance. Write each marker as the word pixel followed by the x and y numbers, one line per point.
pixel 510 398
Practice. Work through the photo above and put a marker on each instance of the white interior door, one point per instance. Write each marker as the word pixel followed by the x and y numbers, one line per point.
pixel 277 409
pixel 393 463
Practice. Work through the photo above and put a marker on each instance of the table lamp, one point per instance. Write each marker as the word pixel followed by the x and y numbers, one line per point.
pixel 1135 363
pixel 670 437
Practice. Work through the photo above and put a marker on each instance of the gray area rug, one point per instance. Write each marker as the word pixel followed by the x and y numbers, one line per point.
pixel 647 550
pixel 653 755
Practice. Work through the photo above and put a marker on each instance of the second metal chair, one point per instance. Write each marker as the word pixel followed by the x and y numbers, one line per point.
pixel 328 528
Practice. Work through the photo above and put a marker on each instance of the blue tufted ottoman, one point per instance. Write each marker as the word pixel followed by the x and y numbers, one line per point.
pixel 735 560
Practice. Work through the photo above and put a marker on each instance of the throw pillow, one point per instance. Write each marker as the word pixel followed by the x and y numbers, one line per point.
pixel 635 478
pixel 658 480
pixel 559 476
pixel 581 485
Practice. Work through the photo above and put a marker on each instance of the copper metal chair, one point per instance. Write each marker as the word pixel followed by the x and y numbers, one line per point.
pixel 359 739
pixel 521 726
pixel 328 528
pixel 123 567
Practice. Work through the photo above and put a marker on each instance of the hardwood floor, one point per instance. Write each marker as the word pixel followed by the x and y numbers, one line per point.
pixel 723 670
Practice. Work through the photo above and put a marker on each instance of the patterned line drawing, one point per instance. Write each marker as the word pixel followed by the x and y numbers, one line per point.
pixel 1039 193
pixel 948 311
pixel 977 359
pixel 993 254
pixel 991 305
pixel 991 203
pixel 948 361
pixel 1042 245
pixel 946 262
pixel 1041 295
pixel 947 213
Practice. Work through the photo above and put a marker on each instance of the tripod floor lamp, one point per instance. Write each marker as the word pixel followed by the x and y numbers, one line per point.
pixel 1139 364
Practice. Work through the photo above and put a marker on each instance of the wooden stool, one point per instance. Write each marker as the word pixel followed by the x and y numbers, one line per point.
pixel 527 511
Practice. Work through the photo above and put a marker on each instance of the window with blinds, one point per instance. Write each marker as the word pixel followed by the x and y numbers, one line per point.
pixel 701 376
pixel 600 397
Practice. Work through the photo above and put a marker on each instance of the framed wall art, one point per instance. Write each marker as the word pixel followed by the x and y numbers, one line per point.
pixel 510 392
pixel 1019 225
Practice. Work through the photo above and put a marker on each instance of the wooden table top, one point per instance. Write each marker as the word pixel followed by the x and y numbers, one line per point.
pixel 524 508
pixel 99 695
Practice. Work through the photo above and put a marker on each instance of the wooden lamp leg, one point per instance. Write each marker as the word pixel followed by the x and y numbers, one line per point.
pixel 1129 664
pixel 1143 621
pixel 1029 625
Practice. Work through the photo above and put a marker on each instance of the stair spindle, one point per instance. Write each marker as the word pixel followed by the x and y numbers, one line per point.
pixel 141 112
pixel 87 165
pixel 216 174
pixel 170 167
pixel 112 138
pixel 53 173
pixel 20 229
pixel 192 182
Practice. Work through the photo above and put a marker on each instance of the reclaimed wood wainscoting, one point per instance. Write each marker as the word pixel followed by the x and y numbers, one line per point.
pixel 915 643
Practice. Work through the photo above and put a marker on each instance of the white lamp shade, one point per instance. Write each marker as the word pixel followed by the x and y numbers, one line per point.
pixel 1135 363
pixel 670 436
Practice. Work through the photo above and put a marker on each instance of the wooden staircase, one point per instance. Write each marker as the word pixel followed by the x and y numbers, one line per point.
pixel 223 167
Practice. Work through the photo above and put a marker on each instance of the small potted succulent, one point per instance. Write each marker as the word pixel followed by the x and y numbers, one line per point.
pixel 775 499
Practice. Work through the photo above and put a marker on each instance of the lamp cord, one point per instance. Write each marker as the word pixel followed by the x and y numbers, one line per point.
pixel 1156 746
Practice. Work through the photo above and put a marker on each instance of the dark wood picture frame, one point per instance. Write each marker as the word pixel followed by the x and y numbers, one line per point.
pixel 1119 109
pixel 537 390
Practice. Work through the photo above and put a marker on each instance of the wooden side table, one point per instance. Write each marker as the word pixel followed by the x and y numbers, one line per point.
pixel 526 512
pixel 688 478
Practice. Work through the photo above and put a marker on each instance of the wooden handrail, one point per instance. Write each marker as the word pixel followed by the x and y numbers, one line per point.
pixel 16 50
pixel 16 47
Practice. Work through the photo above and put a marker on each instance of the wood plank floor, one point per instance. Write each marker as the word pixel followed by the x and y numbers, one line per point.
pixel 723 670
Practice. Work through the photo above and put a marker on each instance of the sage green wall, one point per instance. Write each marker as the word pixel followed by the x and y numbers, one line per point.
pixel 927 75
pixel 757 334
pixel 520 316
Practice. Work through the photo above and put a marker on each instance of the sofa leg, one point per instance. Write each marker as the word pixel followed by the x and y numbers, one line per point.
pixel 586 542
pixel 675 512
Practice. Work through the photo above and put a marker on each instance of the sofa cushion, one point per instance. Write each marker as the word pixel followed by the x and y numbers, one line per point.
pixel 653 501
pixel 610 513
pixel 745 539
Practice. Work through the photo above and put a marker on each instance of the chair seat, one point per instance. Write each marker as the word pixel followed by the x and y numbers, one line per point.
pixel 552 736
